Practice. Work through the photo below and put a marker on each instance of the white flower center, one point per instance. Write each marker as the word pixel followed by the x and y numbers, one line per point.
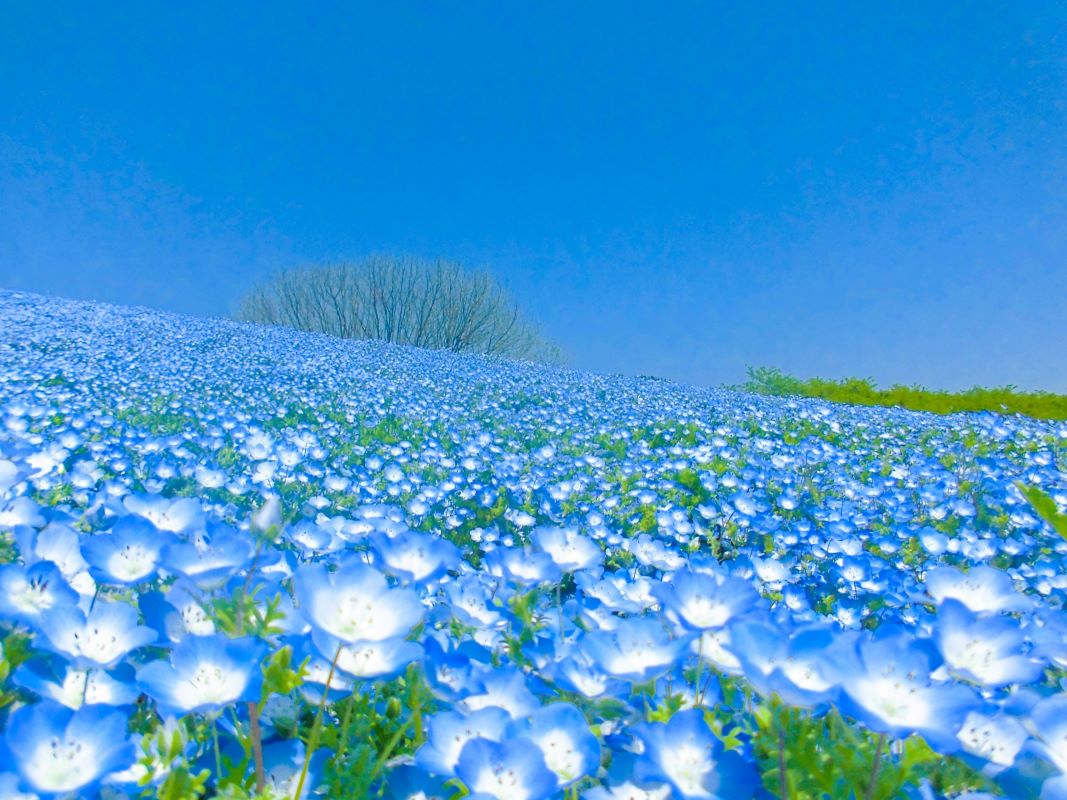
pixel 62 765
pixel 704 612
pixel 210 683
pixel 898 702
pixel 131 563
pixel 101 645
pixel 32 597
pixel 687 766
pixel 500 781
pixel 561 756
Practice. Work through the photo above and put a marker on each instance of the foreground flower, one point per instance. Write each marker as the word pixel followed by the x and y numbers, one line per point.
pixel 282 762
pixel 981 589
pixel 27 592
pixel 687 755
pixel 101 639
pixel 569 549
pixel 637 650
pixel 448 732
pixel 355 603
pixel 130 553
pixel 889 689
pixel 58 751
pixel 512 770
pixel 211 564
pixel 205 674
pixel 703 601
pixel 55 679
pixel 985 650
pixel 570 749
pixel 369 659
pixel 416 557
pixel 1050 724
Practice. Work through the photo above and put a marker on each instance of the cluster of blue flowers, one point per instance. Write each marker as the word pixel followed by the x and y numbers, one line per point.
pixel 238 561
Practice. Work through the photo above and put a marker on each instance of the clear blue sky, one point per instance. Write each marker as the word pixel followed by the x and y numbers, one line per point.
pixel 678 189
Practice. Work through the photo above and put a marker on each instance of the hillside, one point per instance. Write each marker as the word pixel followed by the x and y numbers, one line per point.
pixel 588 582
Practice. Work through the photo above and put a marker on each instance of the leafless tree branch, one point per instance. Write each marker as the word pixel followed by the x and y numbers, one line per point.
pixel 436 304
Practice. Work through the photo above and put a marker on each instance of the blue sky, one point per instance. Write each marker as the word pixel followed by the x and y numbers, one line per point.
pixel 675 189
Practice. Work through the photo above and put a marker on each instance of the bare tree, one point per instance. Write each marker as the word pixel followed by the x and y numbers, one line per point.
pixel 434 304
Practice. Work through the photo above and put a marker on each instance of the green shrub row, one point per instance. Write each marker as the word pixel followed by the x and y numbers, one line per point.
pixel 863 391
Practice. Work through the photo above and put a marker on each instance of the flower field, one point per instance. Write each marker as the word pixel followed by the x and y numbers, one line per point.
pixel 240 561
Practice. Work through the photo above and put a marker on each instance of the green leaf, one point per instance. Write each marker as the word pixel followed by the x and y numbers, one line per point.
pixel 1045 507
pixel 279 677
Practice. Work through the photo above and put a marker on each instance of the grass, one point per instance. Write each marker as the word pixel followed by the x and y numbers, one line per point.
pixel 863 391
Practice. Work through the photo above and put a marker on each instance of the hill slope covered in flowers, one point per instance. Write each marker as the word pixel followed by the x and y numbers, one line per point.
pixel 241 561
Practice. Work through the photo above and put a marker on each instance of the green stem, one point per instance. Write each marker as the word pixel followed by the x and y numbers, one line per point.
pixel 783 782
pixel 257 746
pixel 388 751
pixel 345 722
pixel 876 766
pixel 244 588
pixel 313 736
pixel 415 702
pixel 218 754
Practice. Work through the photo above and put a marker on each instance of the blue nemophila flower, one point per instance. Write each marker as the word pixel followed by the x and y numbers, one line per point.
pixel 469 599
pixel 180 515
pixel 56 680
pixel 316 673
pixel 59 544
pixel 577 672
pixel 282 763
pixel 204 674
pixel 100 639
pixel 11 788
pixel 638 650
pixel 994 740
pixel 685 754
pixel 410 782
pixel 653 553
pixel 19 512
pixel 569 549
pixel 313 538
pixel 177 613
pixel 701 601
pixel 522 567
pixel 801 666
pixel 27 592
pixel 570 749
pixel 501 688
pixel 448 732
pixel 510 770
pixel 628 791
pixel 1049 721
pixel 209 564
pixel 449 670
pixel 9 474
pixel 268 517
pixel 617 592
pixel 366 659
pixel 129 553
pixel 415 557
pixel 982 589
pixel 355 603
pixel 888 687
pixel 58 751
pixel 986 650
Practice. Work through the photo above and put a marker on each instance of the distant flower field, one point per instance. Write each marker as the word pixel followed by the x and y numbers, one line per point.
pixel 239 561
